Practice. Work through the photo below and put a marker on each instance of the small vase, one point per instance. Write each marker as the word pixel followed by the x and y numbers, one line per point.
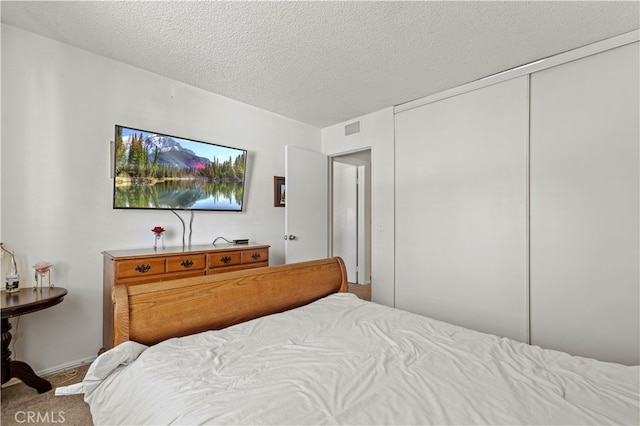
pixel 158 241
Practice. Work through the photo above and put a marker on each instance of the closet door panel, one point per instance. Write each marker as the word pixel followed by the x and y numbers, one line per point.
pixel 585 206
pixel 461 209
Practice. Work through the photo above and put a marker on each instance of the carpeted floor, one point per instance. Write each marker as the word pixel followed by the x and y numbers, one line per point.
pixel 23 405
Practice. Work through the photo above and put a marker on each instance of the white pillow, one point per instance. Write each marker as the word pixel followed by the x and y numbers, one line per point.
pixel 108 361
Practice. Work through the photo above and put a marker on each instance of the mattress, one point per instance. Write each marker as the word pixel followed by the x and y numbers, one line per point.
pixel 341 360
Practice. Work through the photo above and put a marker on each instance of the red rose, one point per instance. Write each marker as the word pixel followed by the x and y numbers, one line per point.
pixel 158 230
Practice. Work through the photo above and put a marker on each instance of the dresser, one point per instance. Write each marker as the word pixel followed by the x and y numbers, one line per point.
pixel 140 266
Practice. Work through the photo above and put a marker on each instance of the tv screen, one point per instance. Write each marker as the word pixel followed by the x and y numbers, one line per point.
pixel 158 171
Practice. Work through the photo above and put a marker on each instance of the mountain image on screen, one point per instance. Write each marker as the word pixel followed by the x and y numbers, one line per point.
pixel 171 153
pixel 156 171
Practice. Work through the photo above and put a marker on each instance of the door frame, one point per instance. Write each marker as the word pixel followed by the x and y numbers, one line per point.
pixel 357 158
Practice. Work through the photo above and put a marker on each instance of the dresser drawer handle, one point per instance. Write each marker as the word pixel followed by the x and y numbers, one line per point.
pixel 187 263
pixel 143 268
pixel 225 259
pixel 255 256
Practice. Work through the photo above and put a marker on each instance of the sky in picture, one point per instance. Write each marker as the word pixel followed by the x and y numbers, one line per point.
pixel 201 149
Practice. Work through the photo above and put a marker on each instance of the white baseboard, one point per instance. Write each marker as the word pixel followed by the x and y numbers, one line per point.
pixel 53 370
pixel 62 367
pixel 11 382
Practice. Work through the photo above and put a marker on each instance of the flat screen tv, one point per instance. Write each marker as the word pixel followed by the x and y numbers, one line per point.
pixel 158 171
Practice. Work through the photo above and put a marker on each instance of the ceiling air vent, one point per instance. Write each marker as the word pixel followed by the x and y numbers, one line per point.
pixel 352 128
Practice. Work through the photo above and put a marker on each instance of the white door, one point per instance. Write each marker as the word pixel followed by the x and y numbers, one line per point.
pixel 306 205
pixel 585 207
pixel 345 217
pixel 461 209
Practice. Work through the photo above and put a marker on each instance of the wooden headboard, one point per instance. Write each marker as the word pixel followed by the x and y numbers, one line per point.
pixel 150 313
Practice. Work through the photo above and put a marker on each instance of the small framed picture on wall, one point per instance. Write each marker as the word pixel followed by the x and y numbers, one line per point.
pixel 279 191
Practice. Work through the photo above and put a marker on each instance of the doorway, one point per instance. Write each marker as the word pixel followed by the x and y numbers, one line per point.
pixel 350 236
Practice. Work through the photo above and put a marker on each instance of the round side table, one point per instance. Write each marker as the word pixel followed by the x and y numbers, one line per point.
pixel 25 301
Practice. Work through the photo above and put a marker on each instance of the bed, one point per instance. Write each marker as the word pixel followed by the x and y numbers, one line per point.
pixel 288 345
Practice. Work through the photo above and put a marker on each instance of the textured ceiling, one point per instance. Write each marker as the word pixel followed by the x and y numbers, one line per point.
pixel 325 62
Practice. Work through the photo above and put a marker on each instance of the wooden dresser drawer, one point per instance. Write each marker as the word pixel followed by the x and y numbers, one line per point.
pixel 192 262
pixel 217 260
pixel 253 256
pixel 140 267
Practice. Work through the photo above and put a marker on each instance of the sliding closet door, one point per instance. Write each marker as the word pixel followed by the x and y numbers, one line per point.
pixel 585 206
pixel 461 209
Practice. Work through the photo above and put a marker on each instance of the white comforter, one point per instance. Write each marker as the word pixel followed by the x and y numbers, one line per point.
pixel 341 360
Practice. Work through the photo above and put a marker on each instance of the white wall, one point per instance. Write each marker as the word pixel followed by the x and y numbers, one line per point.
pixel 376 132
pixel 59 108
